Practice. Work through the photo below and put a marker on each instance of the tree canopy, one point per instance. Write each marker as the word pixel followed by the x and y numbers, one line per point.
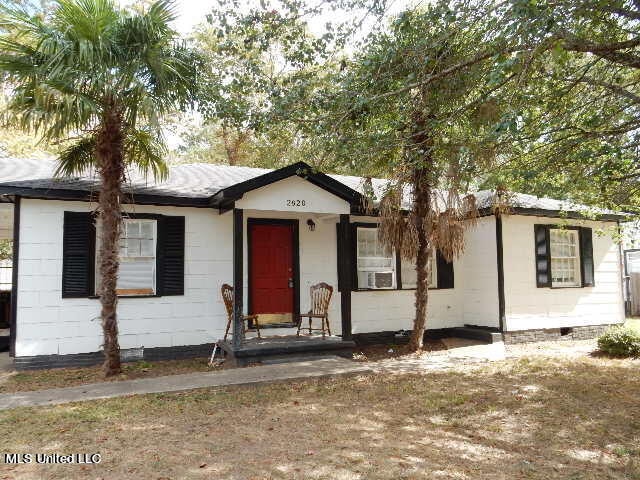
pixel 577 111
pixel 269 89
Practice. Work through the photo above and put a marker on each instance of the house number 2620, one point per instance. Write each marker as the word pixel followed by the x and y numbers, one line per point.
pixel 296 203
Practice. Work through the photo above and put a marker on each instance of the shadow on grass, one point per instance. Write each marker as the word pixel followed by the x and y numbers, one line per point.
pixel 526 418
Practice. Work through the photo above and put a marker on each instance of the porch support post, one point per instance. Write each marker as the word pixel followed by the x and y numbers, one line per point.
pixel 500 265
pixel 13 314
pixel 345 269
pixel 238 247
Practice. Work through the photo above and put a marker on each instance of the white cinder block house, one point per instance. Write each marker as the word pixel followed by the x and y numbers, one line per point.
pixel 542 271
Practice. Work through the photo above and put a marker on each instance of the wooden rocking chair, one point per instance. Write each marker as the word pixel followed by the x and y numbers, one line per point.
pixel 227 296
pixel 320 298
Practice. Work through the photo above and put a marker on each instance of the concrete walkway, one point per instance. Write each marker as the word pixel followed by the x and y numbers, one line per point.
pixel 175 383
pixel 459 352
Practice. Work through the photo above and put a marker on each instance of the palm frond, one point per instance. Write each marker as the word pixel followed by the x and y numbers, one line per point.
pixel 88 19
pixel 146 151
pixel 52 109
pixel 87 56
pixel 78 158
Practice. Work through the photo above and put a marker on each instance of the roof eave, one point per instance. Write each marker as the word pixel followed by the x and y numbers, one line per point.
pixel 86 196
pixel 541 212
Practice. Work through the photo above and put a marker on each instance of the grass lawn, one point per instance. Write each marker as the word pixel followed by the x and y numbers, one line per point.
pixel 518 419
pixel 633 323
pixel 67 377
pixel 11 382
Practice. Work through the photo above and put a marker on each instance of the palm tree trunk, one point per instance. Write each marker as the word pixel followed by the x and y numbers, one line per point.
pixel 421 144
pixel 421 201
pixel 109 152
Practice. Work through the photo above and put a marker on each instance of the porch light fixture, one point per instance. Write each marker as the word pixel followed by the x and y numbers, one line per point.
pixel 312 225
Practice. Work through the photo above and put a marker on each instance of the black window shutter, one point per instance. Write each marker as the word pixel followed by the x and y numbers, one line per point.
pixel 543 256
pixel 444 272
pixel 170 271
pixel 78 255
pixel 586 256
pixel 352 241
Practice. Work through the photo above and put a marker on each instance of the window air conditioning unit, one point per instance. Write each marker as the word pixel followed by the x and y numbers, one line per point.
pixel 380 279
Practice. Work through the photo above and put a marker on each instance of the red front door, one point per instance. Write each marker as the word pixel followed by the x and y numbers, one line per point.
pixel 271 279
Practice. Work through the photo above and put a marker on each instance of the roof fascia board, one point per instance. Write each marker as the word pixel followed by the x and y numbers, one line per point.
pixel 535 212
pixel 82 195
pixel 540 212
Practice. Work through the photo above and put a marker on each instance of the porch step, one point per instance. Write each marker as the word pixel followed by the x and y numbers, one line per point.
pixel 297 358
pixel 280 348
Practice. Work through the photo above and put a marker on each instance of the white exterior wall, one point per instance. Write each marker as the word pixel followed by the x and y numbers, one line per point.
pixel 293 194
pixel 389 310
pixel 528 307
pixel 473 300
pixel 479 275
pixel 49 324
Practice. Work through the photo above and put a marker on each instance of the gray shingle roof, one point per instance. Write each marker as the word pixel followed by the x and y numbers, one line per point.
pixel 198 180
pixel 203 180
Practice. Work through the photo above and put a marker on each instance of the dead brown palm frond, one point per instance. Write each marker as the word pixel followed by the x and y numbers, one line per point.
pixel 448 234
pixel 368 199
pixel 501 201
pixel 393 223
pixel 449 215
pixel 470 209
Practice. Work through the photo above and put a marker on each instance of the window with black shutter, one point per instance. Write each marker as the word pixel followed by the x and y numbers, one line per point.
pixel 171 256
pixel 586 257
pixel 543 262
pixel 370 258
pixel 151 255
pixel 78 253
pixel 564 256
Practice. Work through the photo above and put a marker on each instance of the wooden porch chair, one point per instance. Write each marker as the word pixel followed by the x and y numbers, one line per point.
pixel 320 298
pixel 227 296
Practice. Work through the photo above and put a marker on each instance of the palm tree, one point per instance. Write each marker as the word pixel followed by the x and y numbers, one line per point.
pixel 99 78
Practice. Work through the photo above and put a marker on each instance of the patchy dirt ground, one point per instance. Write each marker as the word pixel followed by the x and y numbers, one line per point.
pixel 526 418
pixel 372 353
pixel 11 382
pixel 67 377
pixel 560 348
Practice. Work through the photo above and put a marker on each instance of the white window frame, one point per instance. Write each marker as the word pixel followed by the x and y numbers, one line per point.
pixel 574 235
pixel 383 257
pixel 132 258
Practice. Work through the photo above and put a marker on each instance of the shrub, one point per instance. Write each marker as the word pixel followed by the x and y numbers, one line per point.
pixel 620 341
